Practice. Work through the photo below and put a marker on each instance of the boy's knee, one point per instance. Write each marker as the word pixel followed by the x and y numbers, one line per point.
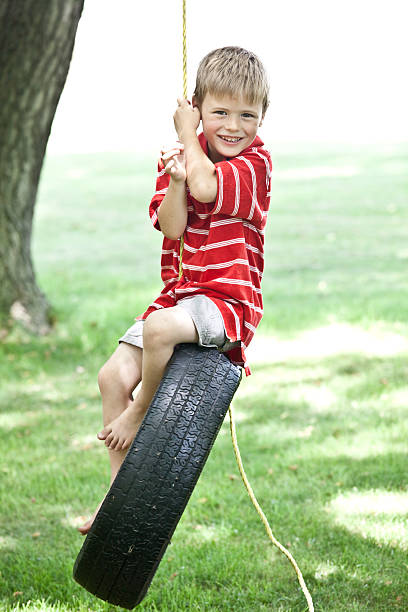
pixel 154 328
pixel 121 368
pixel 104 375
pixel 107 373
pixel 159 328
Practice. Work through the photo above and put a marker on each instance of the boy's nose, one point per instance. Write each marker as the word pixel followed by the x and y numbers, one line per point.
pixel 232 124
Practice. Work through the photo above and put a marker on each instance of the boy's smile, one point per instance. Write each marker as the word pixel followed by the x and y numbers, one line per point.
pixel 230 125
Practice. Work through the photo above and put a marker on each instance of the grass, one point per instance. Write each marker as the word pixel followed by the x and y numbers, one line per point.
pixel 322 422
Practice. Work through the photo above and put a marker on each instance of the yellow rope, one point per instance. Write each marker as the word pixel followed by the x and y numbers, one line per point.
pixel 263 517
pixel 184 51
pixel 185 97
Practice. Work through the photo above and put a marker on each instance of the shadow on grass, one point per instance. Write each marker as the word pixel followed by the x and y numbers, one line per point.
pixel 343 570
pixel 321 448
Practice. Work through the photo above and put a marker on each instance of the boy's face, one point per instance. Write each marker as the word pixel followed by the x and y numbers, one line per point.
pixel 230 125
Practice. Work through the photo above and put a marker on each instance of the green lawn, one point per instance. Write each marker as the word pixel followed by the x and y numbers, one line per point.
pixel 322 421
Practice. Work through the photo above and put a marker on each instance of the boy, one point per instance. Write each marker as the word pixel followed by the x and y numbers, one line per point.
pixel 214 190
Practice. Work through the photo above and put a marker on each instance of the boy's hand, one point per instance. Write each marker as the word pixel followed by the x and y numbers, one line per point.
pixel 174 161
pixel 186 117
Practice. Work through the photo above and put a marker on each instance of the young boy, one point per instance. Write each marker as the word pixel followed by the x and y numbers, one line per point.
pixel 214 190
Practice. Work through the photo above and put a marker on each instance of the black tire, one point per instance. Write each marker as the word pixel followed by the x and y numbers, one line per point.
pixel 133 528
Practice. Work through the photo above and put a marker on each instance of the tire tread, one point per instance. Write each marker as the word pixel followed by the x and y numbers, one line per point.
pixel 135 523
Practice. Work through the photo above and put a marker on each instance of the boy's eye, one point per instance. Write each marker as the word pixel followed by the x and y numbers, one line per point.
pixel 220 112
pixel 248 115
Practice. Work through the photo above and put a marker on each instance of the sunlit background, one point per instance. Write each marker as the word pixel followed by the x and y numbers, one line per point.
pixel 337 70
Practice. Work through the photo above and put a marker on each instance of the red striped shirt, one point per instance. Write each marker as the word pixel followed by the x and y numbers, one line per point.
pixel 223 254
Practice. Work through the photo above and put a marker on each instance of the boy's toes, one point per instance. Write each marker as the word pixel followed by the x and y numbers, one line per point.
pixel 125 444
pixel 83 529
pixel 102 435
pixel 109 439
pixel 116 444
pixel 128 442
pixel 112 442
pixel 122 445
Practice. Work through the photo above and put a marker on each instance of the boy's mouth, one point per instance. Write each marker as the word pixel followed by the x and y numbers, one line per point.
pixel 230 139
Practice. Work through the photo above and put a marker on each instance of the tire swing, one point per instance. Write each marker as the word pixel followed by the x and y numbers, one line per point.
pixel 147 498
pixel 141 510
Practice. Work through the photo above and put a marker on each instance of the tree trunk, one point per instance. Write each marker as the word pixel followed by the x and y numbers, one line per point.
pixel 36 43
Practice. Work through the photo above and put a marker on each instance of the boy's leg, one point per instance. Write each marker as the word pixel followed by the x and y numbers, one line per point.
pixel 117 379
pixel 163 329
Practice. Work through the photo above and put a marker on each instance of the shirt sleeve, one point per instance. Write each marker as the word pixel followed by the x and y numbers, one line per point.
pixel 162 183
pixel 243 187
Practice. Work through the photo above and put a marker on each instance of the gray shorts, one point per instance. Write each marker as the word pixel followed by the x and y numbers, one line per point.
pixel 207 320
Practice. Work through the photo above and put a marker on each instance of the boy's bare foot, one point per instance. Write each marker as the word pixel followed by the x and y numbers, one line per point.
pixel 83 529
pixel 119 434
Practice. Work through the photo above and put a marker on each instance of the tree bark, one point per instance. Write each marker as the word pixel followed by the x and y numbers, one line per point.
pixel 36 43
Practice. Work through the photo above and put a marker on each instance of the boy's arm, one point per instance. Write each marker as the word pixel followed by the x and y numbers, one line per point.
pixel 172 212
pixel 201 174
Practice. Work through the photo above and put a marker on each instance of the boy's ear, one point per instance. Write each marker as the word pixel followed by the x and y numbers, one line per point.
pixel 194 102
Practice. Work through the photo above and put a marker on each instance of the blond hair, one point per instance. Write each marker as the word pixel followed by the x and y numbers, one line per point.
pixel 232 71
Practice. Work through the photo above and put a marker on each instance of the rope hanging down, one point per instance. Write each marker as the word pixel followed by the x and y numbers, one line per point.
pixel 185 97
pixel 263 517
pixel 232 424
pixel 184 51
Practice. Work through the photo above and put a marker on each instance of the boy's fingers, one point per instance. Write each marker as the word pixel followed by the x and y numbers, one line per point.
pixel 183 102
pixel 169 167
pixel 172 147
pixel 170 154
